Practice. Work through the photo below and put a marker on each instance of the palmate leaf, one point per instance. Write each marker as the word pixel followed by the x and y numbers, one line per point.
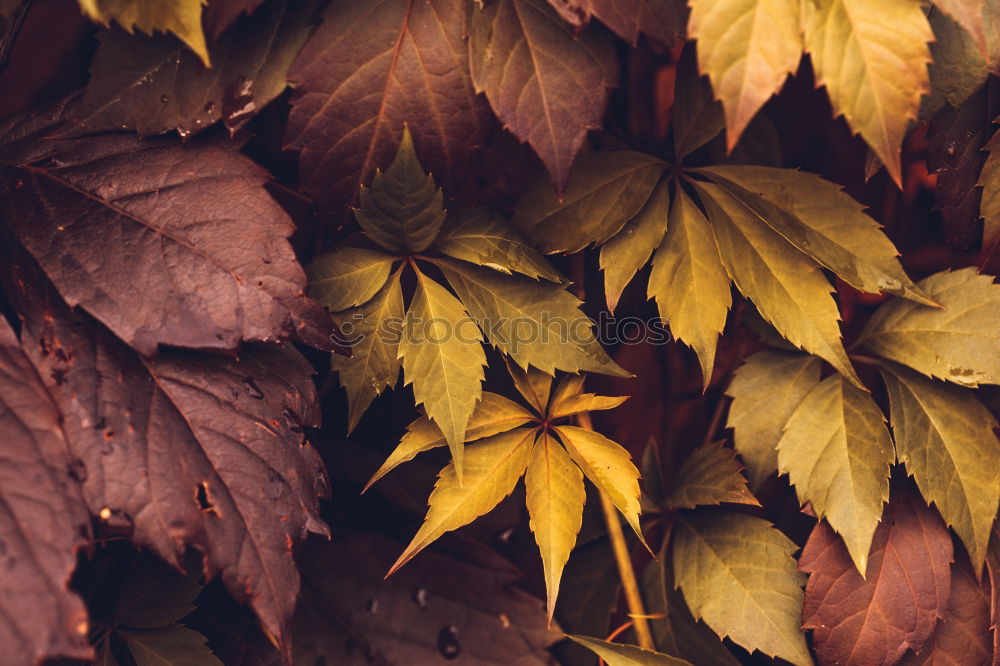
pixel 837 452
pixel 947 440
pixel 353 96
pixel 348 276
pixel 181 17
pixel 737 573
pixel 567 400
pixel 766 390
pixel 747 48
pixel 958 342
pixel 546 86
pixel 709 475
pixel 43 520
pixel 689 282
pixel 534 385
pixel 875 620
pixel 662 20
pixel 615 654
pixel 874 77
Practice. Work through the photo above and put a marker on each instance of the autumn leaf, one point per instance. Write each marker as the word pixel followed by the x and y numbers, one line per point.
pixel 348 276
pixel 709 475
pixel 534 385
pixel 546 86
pixel 697 116
pixel 662 20
pixel 220 14
pixel 182 18
pixel 876 619
pixel 958 68
pixel 968 14
pixel 989 207
pixel 568 399
pixel 615 654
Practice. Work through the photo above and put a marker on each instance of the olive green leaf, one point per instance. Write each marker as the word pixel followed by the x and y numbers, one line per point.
pixel 493 415
pixel 837 452
pixel 175 645
pixel 947 440
pixel 484 237
pixel 555 497
pixel 492 469
pixel 747 48
pixel 874 76
pixel 608 466
pixel 181 17
pixel 615 654
pixel 689 282
pixel 709 475
pixel 788 288
pixel 533 384
pixel 348 276
pixel 766 390
pixel 823 221
pixel 697 116
pixel 443 359
pixel 568 400
pixel 968 14
pixel 605 191
pixel 958 342
pixel 628 250
pixel 536 323
pixel 959 65
pixel 374 363
pixel 403 209
pixel 738 574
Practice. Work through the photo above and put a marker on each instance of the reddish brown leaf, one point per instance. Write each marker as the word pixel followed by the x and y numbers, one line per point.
pixel 663 20
pixel 875 620
pixel 42 520
pixel 141 235
pixel 353 95
pixel 220 14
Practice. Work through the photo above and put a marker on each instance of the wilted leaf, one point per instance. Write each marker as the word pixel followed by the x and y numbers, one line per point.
pixel 662 20
pixel 353 96
pixel 615 654
pixel 168 646
pixel 747 48
pixel 874 77
pixel 555 497
pixel 947 440
pixel 181 17
pixel 737 573
pixel 876 619
pixel 545 85
pixel 605 191
pixel 697 116
pixel 348 276
pixel 709 475
pixel 689 282
pixel 959 342
pixel 44 520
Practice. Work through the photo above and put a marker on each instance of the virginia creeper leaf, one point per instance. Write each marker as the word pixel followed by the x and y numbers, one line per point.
pixel 837 452
pixel 958 68
pixel 181 17
pixel 662 20
pixel 220 14
pixel 747 48
pixel 709 475
pixel 615 654
pixel 989 206
pixel 555 497
pixel 492 468
pixel 958 342
pixel 689 282
pixel 697 116
pixel 533 385
pixel 175 645
pixel 629 249
pixel 348 276
pixel 947 440
pixel 766 390
pixel 968 14
pixel 605 191
pixel 875 620
pixel 567 399
pixel 874 76
pixel 353 96
pixel 737 573
pixel 545 85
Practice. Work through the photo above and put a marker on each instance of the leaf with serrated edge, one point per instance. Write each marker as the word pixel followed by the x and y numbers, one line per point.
pixel 484 237
pixel 181 17
pixel 837 452
pixel 947 440
pixel 493 415
pixel 443 359
pixel 766 390
pixel 555 496
pixel 697 116
pixel 492 469
pixel 608 466
pixel 567 399
pixel 958 68
pixel 536 323
pixel 958 342
pixel 605 191
pixel 175 645
pixel 533 384
pixel 628 250
pixel 747 48
pixel 374 362
pixel 874 76
pixel 874 620
pixel 348 276
pixel 788 288
pixel 689 282
pixel 709 475
pixel 546 86
pixel 968 14
pixel 823 221
pixel 737 573
pixel 403 209
pixel 615 654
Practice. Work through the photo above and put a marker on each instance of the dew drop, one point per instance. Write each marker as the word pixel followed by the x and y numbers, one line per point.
pixel 164 99
pixel 448 644
pixel 209 107
pixel 419 597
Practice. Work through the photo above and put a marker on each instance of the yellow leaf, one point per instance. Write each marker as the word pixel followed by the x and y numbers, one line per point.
pixel 615 654
pixel 710 475
pixel 568 400
pixel 533 384
pixel 348 276
pixel 181 17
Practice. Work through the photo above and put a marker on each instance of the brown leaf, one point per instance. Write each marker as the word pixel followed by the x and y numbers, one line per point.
pixel 663 20
pixel 220 14
pixel 876 619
